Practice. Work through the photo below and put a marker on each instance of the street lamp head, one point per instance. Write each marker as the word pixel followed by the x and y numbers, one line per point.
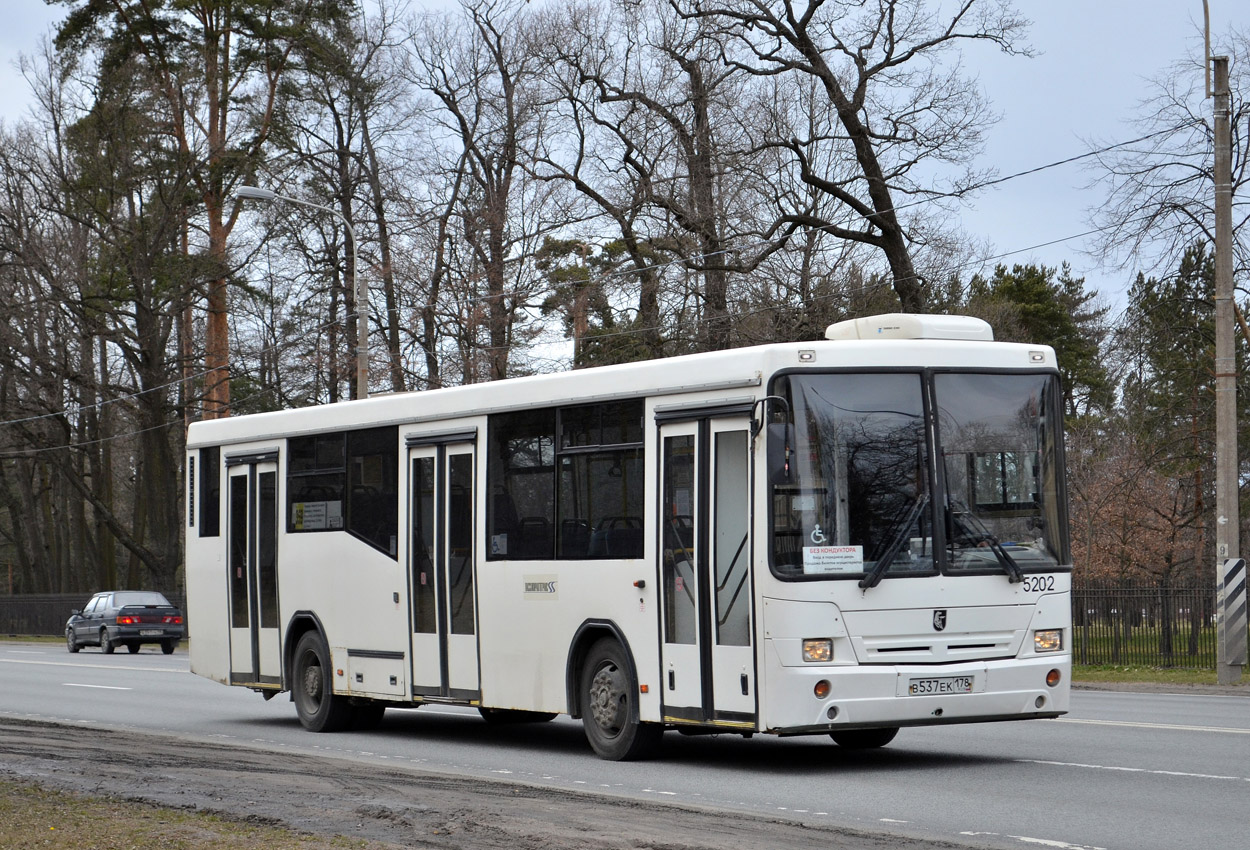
pixel 255 193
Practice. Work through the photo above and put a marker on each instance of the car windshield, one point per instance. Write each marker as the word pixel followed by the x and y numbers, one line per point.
pixel 860 500
pixel 139 597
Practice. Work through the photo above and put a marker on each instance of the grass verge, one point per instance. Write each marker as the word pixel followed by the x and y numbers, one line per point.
pixel 34 817
pixel 1121 674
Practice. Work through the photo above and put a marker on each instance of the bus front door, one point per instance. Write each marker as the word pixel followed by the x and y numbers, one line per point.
pixel 444 639
pixel 252 562
pixel 705 561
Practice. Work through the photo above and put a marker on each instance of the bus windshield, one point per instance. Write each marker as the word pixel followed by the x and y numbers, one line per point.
pixel 862 501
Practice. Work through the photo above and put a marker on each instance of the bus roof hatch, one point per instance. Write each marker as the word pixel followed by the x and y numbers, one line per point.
pixel 911 326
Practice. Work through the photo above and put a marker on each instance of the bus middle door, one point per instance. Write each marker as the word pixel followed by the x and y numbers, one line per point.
pixel 444 618
pixel 705 561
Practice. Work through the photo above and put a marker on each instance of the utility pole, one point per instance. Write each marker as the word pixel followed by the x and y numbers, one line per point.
pixel 1230 569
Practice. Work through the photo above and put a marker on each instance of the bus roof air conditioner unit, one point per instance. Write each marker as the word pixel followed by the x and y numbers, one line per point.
pixel 911 326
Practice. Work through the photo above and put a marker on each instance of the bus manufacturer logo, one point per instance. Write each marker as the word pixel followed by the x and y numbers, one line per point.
pixel 540 587
pixel 939 619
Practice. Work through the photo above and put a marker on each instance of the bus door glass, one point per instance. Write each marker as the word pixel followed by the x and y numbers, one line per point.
pixel 705 561
pixel 444 617
pixel 252 564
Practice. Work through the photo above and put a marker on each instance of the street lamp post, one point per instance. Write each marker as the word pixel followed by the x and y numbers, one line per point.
pixel 362 294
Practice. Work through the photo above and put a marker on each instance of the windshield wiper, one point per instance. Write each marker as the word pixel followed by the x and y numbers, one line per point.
pixel 896 544
pixel 1008 563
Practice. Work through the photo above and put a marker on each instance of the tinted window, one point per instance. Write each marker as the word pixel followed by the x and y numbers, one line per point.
pixel 373 500
pixel 520 511
pixel 566 483
pixel 346 481
pixel 210 492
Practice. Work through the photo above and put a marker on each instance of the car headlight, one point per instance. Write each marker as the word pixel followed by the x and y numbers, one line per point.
pixel 817 650
pixel 1048 640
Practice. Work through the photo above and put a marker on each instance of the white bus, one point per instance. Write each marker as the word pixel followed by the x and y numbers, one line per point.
pixel 840 537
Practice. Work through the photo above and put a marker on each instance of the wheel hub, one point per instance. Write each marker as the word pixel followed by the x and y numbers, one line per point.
pixel 312 681
pixel 607 698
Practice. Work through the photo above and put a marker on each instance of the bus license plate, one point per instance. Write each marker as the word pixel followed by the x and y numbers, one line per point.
pixel 148 632
pixel 938 686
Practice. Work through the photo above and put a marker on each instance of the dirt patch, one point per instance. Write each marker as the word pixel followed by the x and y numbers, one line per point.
pixel 407 808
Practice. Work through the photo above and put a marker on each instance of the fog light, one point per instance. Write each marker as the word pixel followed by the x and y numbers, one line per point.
pixel 1048 640
pixel 1053 677
pixel 1039 702
pixel 822 689
pixel 832 712
pixel 817 650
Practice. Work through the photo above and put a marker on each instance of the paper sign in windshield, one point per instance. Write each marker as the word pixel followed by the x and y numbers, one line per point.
pixel 833 559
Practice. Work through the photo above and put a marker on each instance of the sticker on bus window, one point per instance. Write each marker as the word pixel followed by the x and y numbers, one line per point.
pixel 833 559
pixel 317 516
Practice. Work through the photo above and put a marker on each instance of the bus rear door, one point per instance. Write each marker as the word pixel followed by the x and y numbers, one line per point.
pixel 252 562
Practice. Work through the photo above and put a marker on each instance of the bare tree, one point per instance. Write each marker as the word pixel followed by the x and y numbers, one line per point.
pixel 1160 196
pixel 900 96
pixel 477 67
pixel 669 138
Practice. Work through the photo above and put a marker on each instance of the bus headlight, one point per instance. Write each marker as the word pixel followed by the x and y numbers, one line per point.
pixel 1048 640
pixel 817 650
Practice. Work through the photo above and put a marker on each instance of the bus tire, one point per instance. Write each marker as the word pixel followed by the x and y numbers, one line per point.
pixel 609 706
pixel 504 716
pixel 318 708
pixel 864 739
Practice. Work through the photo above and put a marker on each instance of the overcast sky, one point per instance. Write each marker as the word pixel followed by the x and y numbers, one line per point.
pixel 1095 57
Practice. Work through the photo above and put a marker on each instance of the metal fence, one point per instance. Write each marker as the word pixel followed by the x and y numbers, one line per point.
pixel 45 614
pixel 1144 626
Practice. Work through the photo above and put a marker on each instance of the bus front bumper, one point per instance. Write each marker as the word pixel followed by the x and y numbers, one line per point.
pixel 916 695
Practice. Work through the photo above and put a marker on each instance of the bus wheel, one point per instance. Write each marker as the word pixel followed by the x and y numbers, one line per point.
pixel 864 739
pixel 318 708
pixel 609 708
pixel 502 716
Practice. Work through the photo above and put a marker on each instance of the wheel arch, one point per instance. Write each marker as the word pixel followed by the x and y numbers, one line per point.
pixel 300 624
pixel 584 638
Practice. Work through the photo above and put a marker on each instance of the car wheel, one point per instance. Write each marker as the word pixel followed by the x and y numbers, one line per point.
pixel 71 640
pixel 168 646
pixel 864 739
pixel 106 643
pixel 609 711
pixel 132 648
pixel 318 708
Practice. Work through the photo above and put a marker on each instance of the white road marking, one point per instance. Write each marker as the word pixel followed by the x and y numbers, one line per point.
pixel 1176 773
pixel 1173 726
pixel 1062 845
pixel 100 687
pixel 93 666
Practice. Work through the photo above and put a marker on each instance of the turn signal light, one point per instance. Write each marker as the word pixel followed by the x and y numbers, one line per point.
pixel 1053 677
pixel 822 689
pixel 173 620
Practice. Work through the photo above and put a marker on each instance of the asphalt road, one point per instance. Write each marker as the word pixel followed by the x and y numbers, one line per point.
pixel 1123 770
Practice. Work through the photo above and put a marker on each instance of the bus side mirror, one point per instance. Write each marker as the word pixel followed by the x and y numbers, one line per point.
pixel 780 452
